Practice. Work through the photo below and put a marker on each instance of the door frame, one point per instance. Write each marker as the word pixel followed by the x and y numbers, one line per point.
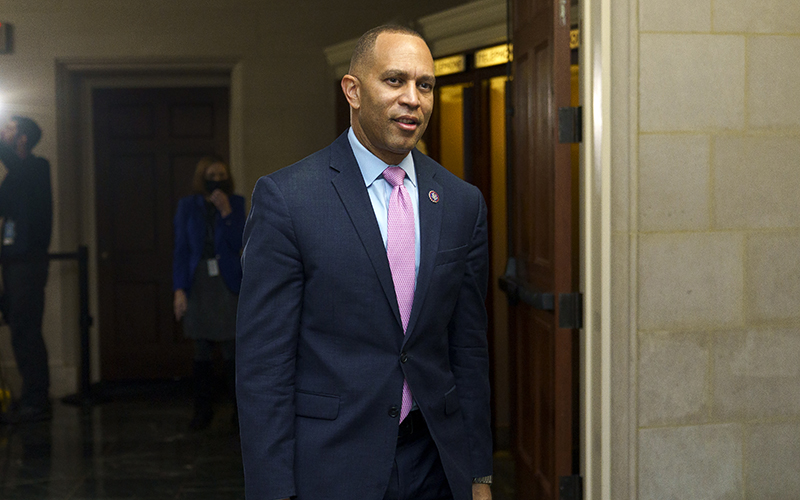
pixel 75 183
pixel 602 439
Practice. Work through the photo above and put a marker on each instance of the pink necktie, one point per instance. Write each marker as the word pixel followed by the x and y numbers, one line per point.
pixel 401 251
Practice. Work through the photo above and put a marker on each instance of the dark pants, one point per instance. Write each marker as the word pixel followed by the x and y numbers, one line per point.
pixel 417 473
pixel 23 308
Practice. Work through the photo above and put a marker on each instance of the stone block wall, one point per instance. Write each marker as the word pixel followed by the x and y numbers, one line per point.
pixel 713 228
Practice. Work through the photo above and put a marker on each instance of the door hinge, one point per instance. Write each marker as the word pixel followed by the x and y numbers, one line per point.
pixel 570 488
pixel 570 125
pixel 570 310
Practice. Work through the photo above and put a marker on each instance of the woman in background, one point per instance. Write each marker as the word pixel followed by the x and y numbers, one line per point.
pixel 206 275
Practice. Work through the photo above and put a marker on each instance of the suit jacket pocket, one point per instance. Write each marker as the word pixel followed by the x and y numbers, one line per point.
pixel 313 405
pixel 451 401
pixel 451 255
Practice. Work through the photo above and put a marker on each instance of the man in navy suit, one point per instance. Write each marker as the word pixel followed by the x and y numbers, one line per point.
pixel 326 346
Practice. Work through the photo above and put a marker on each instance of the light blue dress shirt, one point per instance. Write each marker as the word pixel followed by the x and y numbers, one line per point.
pixel 380 189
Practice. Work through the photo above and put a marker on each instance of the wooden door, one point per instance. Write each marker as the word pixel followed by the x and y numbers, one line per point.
pixel 147 144
pixel 542 253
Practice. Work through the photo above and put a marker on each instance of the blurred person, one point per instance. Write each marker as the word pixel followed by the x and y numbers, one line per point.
pixel 26 208
pixel 362 358
pixel 207 275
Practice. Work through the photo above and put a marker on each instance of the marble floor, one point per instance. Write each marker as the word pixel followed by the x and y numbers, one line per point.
pixel 136 446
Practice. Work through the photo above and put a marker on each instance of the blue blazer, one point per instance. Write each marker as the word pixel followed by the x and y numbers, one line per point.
pixel 320 350
pixel 190 234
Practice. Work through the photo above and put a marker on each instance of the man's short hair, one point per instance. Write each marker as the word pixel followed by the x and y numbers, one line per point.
pixel 366 43
pixel 28 128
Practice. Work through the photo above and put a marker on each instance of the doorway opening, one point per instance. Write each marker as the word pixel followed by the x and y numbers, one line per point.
pixel 468 136
pixel 147 144
pixel 78 183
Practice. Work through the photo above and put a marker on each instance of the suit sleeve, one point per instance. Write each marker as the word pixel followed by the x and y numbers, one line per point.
pixel 469 355
pixel 181 276
pixel 266 344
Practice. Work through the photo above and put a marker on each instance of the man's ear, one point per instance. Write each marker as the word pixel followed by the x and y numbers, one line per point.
pixel 352 90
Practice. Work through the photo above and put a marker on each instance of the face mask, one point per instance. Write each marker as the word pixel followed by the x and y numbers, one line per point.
pixel 225 186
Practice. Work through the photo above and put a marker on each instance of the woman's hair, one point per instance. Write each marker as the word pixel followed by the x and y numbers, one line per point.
pixel 199 182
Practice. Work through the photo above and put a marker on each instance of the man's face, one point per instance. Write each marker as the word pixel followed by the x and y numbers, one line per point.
pixel 8 134
pixel 395 96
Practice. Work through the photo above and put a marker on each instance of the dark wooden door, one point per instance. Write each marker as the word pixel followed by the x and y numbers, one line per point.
pixel 542 253
pixel 147 143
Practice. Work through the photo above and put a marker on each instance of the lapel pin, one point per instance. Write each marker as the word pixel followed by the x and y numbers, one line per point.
pixel 433 196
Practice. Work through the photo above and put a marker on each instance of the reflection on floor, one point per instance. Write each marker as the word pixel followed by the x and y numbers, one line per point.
pixel 136 446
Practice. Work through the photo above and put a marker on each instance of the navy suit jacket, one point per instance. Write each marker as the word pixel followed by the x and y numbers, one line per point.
pixel 190 240
pixel 320 350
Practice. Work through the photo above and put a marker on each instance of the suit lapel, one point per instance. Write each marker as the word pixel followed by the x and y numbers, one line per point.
pixel 430 221
pixel 349 184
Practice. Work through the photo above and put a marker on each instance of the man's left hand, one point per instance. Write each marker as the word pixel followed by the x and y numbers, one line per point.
pixel 481 492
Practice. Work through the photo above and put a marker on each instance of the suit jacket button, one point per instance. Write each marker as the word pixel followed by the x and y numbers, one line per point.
pixel 403 357
pixel 394 411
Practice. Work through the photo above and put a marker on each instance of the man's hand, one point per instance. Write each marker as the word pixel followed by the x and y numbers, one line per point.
pixel 180 304
pixel 481 492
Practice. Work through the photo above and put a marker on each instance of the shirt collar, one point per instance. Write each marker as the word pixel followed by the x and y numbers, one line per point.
pixel 372 167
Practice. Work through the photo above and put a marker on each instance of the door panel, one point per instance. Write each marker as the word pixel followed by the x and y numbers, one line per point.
pixel 134 203
pixel 541 253
pixel 148 142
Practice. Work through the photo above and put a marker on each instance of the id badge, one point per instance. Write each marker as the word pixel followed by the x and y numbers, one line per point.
pixel 9 232
pixel 213 267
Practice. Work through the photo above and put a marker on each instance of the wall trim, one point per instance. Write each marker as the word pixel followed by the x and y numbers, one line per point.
pixel 470 26
pixel 467 27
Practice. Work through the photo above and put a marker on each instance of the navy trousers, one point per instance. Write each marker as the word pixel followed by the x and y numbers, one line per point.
pixel 417 473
